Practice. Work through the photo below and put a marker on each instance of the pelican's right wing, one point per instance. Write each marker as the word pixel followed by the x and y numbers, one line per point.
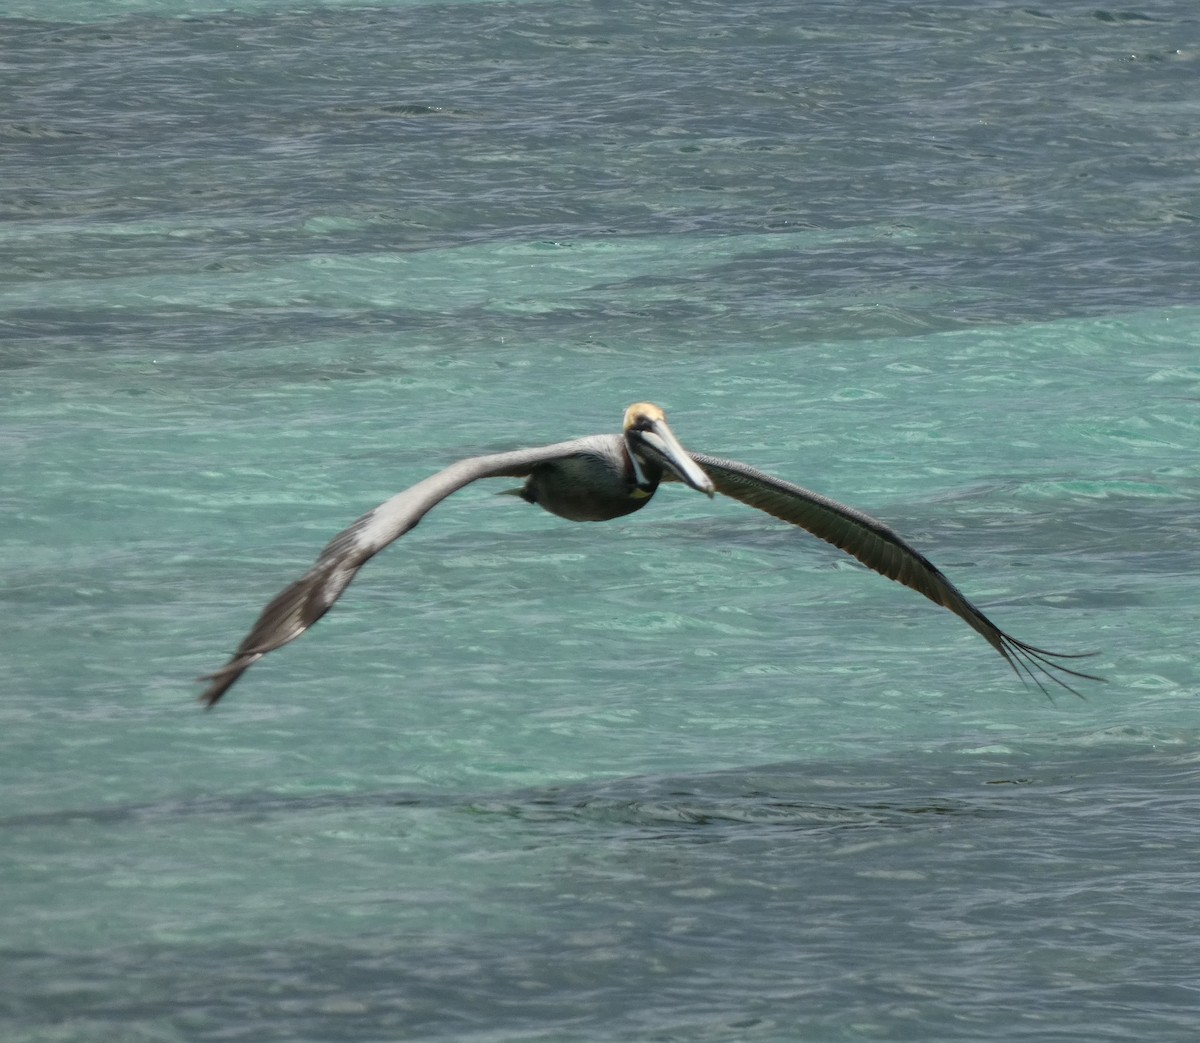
pixel 879 548
pixel 299 606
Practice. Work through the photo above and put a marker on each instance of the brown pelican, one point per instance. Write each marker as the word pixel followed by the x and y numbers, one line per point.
pixel 606 476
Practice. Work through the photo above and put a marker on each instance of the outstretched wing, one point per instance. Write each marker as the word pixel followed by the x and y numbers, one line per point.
pixel 298 607
pixel 883 550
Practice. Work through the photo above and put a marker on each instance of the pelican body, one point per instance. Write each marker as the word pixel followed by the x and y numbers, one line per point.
pixel 600 477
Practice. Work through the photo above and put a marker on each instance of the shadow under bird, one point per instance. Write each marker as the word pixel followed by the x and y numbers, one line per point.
pixel 607 476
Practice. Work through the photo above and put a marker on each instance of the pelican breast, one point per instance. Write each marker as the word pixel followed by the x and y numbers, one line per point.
pixel 596 484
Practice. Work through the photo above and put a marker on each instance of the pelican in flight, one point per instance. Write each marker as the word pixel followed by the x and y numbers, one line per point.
pixel 607 476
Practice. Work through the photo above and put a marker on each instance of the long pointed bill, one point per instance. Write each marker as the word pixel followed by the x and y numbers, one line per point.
pixel 659 437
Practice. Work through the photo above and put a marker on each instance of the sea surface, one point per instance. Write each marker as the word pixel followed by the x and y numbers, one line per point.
pixel 690 775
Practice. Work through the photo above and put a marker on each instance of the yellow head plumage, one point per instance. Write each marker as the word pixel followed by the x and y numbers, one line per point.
pixel 641 413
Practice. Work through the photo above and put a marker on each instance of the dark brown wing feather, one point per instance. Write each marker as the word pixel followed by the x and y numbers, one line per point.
pixel 883 550
pixel 300 605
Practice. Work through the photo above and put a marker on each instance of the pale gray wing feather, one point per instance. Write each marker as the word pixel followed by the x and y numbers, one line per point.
pixel 300 605
pixel 879 548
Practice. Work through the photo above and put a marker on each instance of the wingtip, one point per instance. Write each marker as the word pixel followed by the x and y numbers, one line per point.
pixel 220 682
pixel 1032 663
pixel 212 694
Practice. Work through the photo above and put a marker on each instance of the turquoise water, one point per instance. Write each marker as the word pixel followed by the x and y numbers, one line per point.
pixel 687 775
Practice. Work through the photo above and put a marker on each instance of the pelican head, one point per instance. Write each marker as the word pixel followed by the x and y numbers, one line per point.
pixel 646 427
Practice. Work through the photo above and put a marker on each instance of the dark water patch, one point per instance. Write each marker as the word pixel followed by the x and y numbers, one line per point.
pixel 694 119
pixel 1121 17
pixel 1043 885
pixel 890 791
pixel 394 110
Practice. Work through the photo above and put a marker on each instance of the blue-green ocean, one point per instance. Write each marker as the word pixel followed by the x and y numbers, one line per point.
pixel 690 775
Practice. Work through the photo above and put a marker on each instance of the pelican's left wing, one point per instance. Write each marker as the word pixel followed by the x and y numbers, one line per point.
pixel 879 548
pixel 299 606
